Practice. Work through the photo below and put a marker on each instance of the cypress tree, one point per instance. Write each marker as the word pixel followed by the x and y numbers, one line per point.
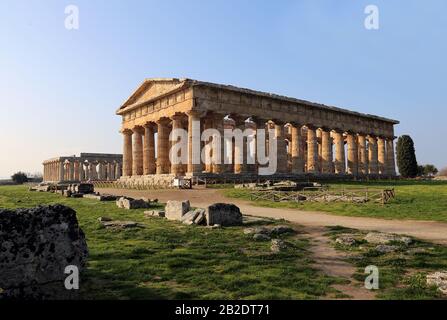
pixel 406 157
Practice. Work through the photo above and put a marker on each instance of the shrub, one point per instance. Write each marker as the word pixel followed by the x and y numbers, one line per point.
pixel 19 177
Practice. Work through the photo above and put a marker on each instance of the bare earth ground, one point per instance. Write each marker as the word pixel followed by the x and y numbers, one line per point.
pixel 327 259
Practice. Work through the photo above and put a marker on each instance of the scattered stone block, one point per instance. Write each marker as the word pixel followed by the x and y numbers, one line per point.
pixel 154 213
pixel 346 240
pixel 36 245
pixel 223 214
pixel 438 279
pixel 77 195
pixel 130 203
pixel 278 246
pixel 116 224
pixel 201 218
pixel 189 217
pixel 176 209
pixel 383 248
pixel 386 238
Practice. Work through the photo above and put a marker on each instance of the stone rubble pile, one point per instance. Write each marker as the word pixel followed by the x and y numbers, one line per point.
pixel 438 279
pixel 36 245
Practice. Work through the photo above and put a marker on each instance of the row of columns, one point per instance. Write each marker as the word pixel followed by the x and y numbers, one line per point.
pixel 301 148
pixel 66 170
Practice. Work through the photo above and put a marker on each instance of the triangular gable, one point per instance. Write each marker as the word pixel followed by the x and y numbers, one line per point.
pixel 153 88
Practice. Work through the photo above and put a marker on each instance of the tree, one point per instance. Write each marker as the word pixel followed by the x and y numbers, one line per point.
pixel 406 157
pixel 19 177
pixel 430 170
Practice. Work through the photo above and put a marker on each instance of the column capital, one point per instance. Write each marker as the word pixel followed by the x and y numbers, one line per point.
pixel 149 124
pixel 126 131
pixel 195 113
pixel 162 121
pixel 138 129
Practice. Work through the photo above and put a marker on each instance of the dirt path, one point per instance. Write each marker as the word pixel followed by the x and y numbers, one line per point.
pixel 333 263
pixel 427 230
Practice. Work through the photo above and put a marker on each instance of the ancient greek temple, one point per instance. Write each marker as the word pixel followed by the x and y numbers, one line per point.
pixel 86 167
pixel 312 139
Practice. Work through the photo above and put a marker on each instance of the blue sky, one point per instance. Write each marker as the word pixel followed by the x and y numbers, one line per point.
pixel 59 89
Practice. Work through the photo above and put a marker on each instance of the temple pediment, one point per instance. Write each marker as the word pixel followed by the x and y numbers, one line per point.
pixel 151 89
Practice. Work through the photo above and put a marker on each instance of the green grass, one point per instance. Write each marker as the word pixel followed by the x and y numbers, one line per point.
pixel 414 200
pixel 168 260
pixel 402 274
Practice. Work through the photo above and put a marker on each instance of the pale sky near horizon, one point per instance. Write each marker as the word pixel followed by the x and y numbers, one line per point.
pixel 60 88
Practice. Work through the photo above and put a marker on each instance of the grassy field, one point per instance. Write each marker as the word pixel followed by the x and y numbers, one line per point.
pixel 168 260
pixel 414 200
pixel 402 274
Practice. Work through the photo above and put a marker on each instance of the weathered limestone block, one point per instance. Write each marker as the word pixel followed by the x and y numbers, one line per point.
pixel 346 240
pixel 130 203
pixel 36 245
pixel 438 279
pixel 117 224
pixel 196 216
pixel 223 214
pixel 154 213
pixel 100 197
pixel 386 238
pixel 175 210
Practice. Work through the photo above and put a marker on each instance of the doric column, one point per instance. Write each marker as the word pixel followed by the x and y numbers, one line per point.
pixel 207 145
pixel 353 155
pixel 149 166
pixel 240 150
pixel 381 155
pixel 326 151
pixel 71 171
pixel 251 147
pixel 218 144
pixel 100 171
pixel 127 153
pixel 391 163
pixel 312 149
pixel 162 146
pixel 110 171
pixel 61 171
pixel 296 149
pixel 194 133
pixel 118 170
pixel 177 168
pixel 281 147
pixel 373 164
pixel 340 159
pixel 81 171
pixel 363 155
pixel 137 156
pixel 75 170
pixel 93 172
